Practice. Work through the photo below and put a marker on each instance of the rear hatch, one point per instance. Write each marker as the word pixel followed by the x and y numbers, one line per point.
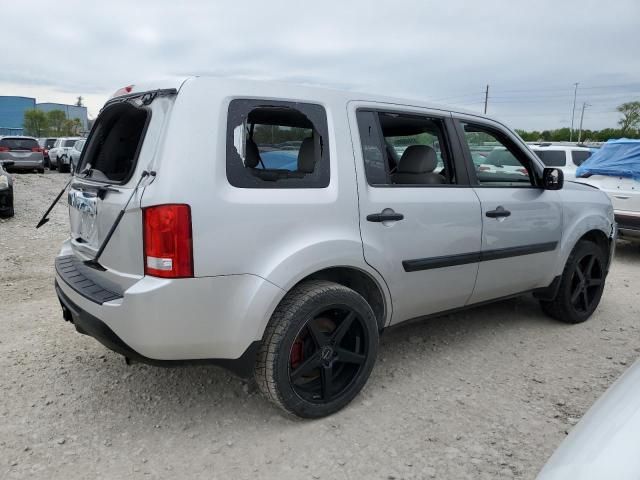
pixel 121 146
pixel 20 149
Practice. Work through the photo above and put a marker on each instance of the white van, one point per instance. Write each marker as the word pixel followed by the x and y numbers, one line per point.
pixel 277 230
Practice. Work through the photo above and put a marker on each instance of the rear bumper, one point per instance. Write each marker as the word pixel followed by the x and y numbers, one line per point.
pixel 26 164
pixel 87 324
pixel 160 321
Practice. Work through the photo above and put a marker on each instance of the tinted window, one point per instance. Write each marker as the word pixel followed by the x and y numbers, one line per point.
pixel 504 164
pixel 552 158
pixel 69 143
pixel 579 156
pixel 404 149
pixel 49 142
pixel 272 144
pixel 19 143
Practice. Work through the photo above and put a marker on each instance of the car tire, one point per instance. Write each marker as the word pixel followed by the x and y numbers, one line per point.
pixel 41 170
pixel 581 284
pixel 10 212
pixel 318 349
pixel 52 166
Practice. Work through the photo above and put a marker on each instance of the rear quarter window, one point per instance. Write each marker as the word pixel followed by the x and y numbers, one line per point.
pixel 580 156
pixel 277 144
pixel 552 158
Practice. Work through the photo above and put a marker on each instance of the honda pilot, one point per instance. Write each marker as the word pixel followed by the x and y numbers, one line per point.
pixel 316 220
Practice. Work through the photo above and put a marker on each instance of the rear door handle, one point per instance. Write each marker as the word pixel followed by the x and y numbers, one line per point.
pixel 384 217
pixel 498 212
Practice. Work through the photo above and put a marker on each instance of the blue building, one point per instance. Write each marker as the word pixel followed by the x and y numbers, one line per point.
pixel 12 111
pixel 71 111
pixel 12 114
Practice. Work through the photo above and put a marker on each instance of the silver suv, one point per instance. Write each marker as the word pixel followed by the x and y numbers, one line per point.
pixel 316 220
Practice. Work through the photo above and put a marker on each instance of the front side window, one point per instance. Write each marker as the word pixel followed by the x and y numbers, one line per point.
pixel 552 158
pixel 580 156
pixel 273 144
pixel 404 149
pixel 497 161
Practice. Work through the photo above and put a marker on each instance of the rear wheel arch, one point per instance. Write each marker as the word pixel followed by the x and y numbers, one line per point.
pixel 359 281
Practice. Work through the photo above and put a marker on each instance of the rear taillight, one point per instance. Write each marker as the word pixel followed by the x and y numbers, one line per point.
pixel 37 149
pixel 168 246
pixel 4 149
pixel 122 91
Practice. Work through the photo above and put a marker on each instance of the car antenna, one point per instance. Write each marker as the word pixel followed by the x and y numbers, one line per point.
pixel 93 263
pixel 45 217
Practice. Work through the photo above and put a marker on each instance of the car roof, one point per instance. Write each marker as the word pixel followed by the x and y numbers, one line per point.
pixel 18 137
pixel 266 88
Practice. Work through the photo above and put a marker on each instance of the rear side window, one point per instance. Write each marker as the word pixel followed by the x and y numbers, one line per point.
pixel 115 142
pixel 552 158
pixel 19 143
pixel 69 143
pixel 580 156
pixel 404 149
pixel 272 144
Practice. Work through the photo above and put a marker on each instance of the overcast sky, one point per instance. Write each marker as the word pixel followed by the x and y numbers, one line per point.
pixel 530 53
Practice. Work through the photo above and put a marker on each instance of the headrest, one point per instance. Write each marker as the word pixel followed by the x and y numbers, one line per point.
pixel 418 159
pixel 252 154
pixel 307 156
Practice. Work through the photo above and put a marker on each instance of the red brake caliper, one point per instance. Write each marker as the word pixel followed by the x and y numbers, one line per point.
pixel 296 353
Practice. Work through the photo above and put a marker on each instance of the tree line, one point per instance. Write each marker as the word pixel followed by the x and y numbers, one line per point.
pixel 50 124
pixel 628 127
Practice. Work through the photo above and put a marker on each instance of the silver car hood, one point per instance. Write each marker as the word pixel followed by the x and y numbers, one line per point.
pixel 605 444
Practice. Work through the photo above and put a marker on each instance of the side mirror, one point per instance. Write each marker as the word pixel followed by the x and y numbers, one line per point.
pixel 552 178
pixel 8 163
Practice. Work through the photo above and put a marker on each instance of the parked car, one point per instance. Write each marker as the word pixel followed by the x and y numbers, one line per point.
pixel 6 190
pixel 24 152
pixel 615 169
pixel 567 158
pixel 59 155
pixel 74 154
pixel 290 275
pixel 604 444
pixel 46 144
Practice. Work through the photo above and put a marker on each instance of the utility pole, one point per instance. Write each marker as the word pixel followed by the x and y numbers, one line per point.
pixel 584 105
pixel 486 99
pixel 573 112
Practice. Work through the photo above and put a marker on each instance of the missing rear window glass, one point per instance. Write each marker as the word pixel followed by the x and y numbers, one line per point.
pixel 115 142
pixel 277 145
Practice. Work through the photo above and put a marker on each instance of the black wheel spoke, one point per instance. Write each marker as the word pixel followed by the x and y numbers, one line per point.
pixel 579 273
pixel 346 356
pixel 318 336
pixel 585 299
pixel 341 329
pixel 594 282
pixel 576 294
pixel 590 264
pixel 327 380
pixel 306 367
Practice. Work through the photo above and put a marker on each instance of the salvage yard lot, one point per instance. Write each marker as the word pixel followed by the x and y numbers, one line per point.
pixel 487 393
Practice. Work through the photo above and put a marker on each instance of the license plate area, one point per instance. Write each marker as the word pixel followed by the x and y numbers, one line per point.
pixel 83 213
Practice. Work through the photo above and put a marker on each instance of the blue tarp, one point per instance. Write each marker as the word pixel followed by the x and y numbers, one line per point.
pixel 616 158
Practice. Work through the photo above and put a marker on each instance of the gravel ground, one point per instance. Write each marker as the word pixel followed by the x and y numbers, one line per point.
pixel 488 393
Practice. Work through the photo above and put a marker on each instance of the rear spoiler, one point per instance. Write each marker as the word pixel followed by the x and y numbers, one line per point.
pixel 145 98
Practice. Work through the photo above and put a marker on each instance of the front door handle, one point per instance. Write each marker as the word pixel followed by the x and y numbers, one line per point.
pixel 385 217
pixel 498 212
